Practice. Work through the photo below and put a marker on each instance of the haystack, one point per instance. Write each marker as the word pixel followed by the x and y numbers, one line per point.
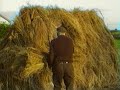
pixel 101 65
pixel 94 57
pixel 32 31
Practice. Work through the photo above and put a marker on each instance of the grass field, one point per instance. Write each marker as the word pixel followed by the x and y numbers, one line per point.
pixel 117 42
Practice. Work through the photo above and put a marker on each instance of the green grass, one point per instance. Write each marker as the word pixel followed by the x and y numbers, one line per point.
pixel 117 43
pixel 117 32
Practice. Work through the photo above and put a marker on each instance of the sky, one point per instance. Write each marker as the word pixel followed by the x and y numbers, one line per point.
pixel 110 9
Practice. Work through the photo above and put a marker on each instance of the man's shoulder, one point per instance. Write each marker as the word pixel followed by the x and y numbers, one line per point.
pixel 64 38
pixel 70 39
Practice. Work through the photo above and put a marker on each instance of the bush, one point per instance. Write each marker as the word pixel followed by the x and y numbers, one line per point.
pixel 3 29
pixel 116 34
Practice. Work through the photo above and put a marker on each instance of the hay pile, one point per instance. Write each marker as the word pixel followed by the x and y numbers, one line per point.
pixel 31 34
pixel 18 64
pixel 100 64
pixel 94 56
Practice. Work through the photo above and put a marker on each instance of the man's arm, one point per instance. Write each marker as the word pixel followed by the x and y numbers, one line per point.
pixel 51 55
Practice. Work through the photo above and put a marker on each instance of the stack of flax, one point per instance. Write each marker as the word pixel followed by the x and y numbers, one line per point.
pixel 24 50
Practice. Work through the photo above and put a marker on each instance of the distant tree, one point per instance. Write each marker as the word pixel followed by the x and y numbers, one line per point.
pixel 116 29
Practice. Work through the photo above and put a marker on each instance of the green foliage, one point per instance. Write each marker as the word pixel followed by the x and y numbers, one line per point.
pixel 116 34
pixel 117 43
pixel 3 29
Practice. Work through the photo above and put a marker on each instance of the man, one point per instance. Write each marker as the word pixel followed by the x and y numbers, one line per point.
pixel 61 52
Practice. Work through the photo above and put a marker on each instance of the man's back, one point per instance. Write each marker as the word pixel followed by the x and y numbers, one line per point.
pixel 63 47
pixel 61 52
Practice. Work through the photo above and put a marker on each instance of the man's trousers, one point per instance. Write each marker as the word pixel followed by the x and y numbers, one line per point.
pixel 63 71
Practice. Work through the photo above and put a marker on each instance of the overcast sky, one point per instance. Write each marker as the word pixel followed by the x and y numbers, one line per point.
pixel 109 8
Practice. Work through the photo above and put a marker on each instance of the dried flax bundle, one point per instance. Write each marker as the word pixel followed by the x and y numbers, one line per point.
pixel 101 66
pixel 94 52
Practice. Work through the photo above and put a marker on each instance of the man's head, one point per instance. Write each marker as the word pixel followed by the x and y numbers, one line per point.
pixel 61 31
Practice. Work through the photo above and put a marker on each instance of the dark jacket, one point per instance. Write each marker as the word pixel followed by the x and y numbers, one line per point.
pixel 61 50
